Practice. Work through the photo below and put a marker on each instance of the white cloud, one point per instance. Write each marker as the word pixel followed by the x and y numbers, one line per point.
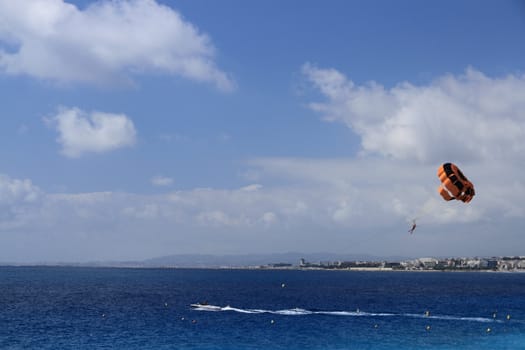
pixel 468 117
pixel 269 217
pixel 106 41
pixel 17 199
pixel 161 180
pixel 216 218
pixel 251 188
pixel 15 190
pixel 80 132
pixel 147 211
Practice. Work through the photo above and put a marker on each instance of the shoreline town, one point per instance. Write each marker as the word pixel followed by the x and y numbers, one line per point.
pixel 495 264
pixel 472 264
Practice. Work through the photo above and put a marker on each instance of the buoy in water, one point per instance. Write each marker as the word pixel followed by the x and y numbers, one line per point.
pixel 489 330
pixel 272 321
pixel 428 328
pixel 508 317
pixel 283 285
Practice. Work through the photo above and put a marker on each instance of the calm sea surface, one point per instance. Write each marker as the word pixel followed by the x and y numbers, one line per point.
pixel 103 308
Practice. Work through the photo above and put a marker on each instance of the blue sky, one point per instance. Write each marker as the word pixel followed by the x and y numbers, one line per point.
pixel 134 129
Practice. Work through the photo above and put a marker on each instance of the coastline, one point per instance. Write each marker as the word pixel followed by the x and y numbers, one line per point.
pixel 259 268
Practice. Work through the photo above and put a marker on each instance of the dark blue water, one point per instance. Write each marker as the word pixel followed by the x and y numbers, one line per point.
pixel 99 308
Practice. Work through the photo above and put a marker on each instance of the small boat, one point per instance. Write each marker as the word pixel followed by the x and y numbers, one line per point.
pixel 205 307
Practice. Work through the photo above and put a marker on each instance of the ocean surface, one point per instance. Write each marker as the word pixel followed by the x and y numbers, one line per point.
pixel 106 308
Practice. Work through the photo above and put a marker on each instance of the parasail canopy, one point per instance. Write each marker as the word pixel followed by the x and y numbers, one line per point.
pixel 454 185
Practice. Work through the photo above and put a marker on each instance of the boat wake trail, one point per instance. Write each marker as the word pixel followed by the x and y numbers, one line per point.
pixel 357 313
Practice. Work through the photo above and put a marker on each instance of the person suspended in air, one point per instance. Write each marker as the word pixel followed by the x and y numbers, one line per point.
pixel 413 227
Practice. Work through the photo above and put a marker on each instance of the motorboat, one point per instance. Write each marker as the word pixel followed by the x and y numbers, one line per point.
pixel 205 307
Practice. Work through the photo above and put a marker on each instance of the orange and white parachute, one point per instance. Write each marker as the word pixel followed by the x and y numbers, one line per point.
pixel 454 185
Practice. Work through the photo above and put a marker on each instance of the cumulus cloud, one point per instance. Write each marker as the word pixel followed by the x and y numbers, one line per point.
pixel 81 132
pixel 467 117
pixel 161 180
pixel 17 198
pixel 106 41
pixel 15 190
pixel 253 187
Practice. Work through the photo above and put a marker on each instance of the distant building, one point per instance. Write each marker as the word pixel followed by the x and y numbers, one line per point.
pixel 492 264
pixel 428 263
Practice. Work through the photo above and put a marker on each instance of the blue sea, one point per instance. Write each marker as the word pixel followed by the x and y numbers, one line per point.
pixel 116 308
